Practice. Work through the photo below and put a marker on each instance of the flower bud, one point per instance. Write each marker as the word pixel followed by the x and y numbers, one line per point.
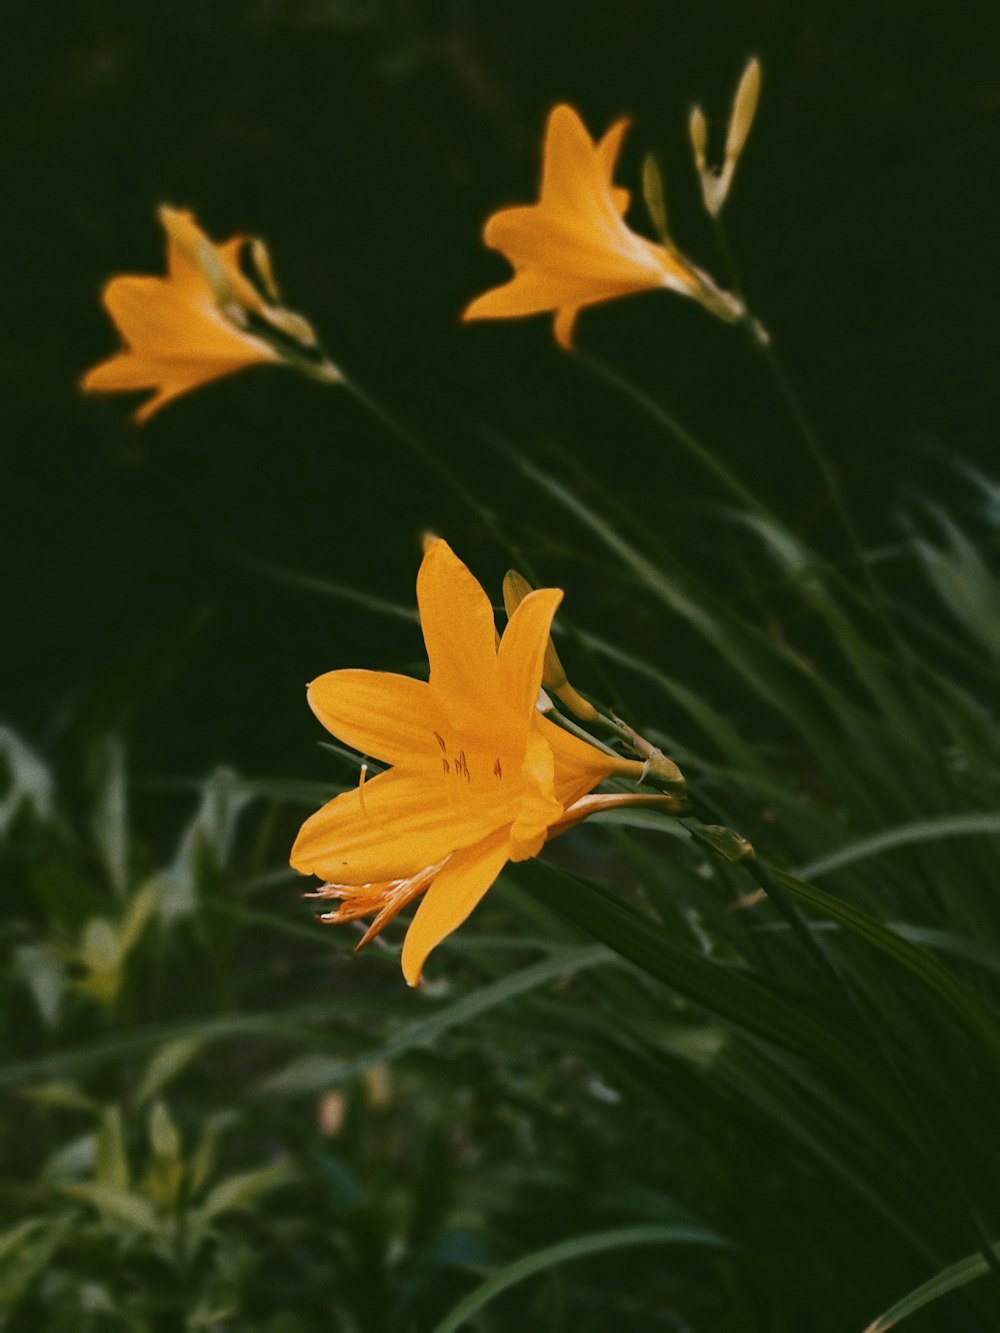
pixel 744 108
pixel 655 196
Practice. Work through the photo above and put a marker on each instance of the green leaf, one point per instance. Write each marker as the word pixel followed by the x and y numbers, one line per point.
pixel 903 835
pixel 26 1250
pixel 949 1279
pixel 116 1205
pixel 243 1190
pixel 165 1065
pixel 315 1072
pixel 111 1157
pixel 980 1019
pixel 580 1247
pixel 111 812
pixel 733 992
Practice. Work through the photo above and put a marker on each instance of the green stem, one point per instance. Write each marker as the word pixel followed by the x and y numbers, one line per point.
pixel 684 437
pixel 429 458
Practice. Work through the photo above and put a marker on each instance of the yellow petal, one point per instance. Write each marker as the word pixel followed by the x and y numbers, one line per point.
pixel 165 322
pixel 391 718
pixel 529 292
pixel 606 155
pixel 564 324
pixel 449 900
pixel 538 806
pixel 190 255
pixel 390 829
pixel 521 658
pixel 579 767
pixel 576 173
pixel 124 371
pixel 460 633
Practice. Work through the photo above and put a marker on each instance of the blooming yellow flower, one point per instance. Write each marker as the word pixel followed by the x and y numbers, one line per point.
pixel 478 776
pixel 203 320
pixel 573 248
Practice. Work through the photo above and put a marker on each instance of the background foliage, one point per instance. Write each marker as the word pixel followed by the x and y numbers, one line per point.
pixel 212 1118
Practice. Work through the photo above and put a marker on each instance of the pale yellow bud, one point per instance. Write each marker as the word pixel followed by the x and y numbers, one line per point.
pixel 261 259
pixel 655 196
pixel 698 130
pixel 744 108
pixel 716 181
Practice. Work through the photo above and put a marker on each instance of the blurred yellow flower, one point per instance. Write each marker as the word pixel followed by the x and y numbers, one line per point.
pixel 203 320
pixel 478 776
pixel 573 248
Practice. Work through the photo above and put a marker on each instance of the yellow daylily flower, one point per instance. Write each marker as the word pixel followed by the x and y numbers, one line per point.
pixel 203 320
pixel 478 776
pixel 573 248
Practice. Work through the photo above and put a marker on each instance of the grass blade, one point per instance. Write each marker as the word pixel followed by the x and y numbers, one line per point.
pixel 949 1279
pixel 580 1247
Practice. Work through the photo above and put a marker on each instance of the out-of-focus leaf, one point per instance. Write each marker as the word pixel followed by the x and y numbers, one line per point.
pixel 60 1095
pixel 117 1205
pixel 24 780
pixel 976 823
pixel 165 1065
pixel 243 1190
pixel 166 1170
pixel 26 1250
pixel 44 975
pixel 312 1073
pixel 111 1167
pixel 580 1247
pixel 111 812
pixel 733 992
pixel 979 1018
pixel 949 1279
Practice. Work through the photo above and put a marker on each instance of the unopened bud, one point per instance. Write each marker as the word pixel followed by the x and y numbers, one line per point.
pixel 698 130
pixel 292 325
pixel 261 259
pixel 744 108
pixel 716 181
pixel 729 844
pixel 655 195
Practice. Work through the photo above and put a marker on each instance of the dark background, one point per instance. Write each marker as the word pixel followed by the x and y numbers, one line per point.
pixel 368 142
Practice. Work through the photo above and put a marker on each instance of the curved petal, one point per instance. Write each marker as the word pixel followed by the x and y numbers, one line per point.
pixel 571 170
pixel 521 656
pixel 579 767
pixel 390 828
pixel 389 717
pixel 449 900
pixel 460 633
pixel 564 324
pixel 529 292
pixel 184 239
pixel 123 371
pixel 163 322
pixel 537 806
pixel 606 153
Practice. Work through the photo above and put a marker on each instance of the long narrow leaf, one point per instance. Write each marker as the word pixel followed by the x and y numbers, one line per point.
pixel 949 1279
pixel 580 1247
pixel 924 830
pixel 315 1072
pixel 979 1018
pixel 730 991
